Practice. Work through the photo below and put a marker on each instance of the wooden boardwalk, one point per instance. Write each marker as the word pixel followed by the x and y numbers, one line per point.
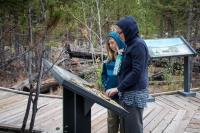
pixel 170 113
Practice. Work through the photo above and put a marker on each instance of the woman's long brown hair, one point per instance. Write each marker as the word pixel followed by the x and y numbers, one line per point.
pixel 111 54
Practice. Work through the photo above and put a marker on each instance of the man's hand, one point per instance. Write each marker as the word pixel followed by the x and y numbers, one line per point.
pixel 112 92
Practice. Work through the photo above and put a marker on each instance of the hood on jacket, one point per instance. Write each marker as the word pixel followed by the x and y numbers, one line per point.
pixel 117 39
pixel 129 27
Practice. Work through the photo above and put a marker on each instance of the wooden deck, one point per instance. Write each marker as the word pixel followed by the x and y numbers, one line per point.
pixel 170 113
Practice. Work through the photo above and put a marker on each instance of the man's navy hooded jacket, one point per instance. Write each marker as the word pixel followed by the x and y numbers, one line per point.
pixel 133 74
pixel 108 79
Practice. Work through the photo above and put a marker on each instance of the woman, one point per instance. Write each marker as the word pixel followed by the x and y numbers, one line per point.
pixel 113 44
pixel 133 77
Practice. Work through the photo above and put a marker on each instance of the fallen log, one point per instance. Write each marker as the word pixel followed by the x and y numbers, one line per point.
pixel 82 62
pixel 84 55
pixel 155 76
pixel 47 84
pixel 44 86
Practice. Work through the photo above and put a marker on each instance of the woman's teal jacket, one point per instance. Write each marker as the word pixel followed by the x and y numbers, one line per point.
pixel 108 79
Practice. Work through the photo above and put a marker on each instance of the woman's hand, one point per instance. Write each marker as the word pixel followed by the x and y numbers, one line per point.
pixel 112 92
pixel 121 50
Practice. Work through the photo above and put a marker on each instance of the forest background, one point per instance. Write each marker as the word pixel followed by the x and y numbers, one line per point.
pixel 33 30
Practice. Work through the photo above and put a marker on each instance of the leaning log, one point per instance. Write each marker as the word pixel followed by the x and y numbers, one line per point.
pixel 60 61
pixel 24 83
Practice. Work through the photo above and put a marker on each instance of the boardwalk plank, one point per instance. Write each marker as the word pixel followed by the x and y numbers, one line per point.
pixel 154 104
pixel 44 118
pixel 163 104
pixel 197 95
pixel 104 110
pixel 147 111
pixel 165 122
pixel 47 115
pixel 191 100
pixel 7 95
pixel 195 126
pixel 186 120
pixel 9 100
pixel 100 118
pixel 13 105
pixel 20 109
pixel 18 118
pixel 17 104
pixel 175 122
pixel 151 116
pixel 183 101
pixel 195 121
pixel 102 130
pixel 53 124
pixel 100 125
pixel 157 119
pixel 174 100
pixel 95 105
pixel 145 131
pixel 195 99
pixel 46 122
pixel 3 93
pixel 170 103
pixel 192 130
pixel 96 109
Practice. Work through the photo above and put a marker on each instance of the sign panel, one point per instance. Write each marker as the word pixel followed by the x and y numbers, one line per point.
pixel 169 47
pixel 83 88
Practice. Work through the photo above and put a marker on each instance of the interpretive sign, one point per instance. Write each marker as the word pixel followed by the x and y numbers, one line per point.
pixel 173 47
pixel 78 98
pixel 169 47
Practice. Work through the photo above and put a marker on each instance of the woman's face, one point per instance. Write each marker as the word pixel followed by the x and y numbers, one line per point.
pixel 112 44
pixel 120 33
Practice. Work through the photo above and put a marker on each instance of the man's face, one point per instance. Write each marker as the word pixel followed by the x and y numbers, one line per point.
pixel 120 33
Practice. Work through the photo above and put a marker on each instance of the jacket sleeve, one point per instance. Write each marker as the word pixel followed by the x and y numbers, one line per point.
pixel 104 76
